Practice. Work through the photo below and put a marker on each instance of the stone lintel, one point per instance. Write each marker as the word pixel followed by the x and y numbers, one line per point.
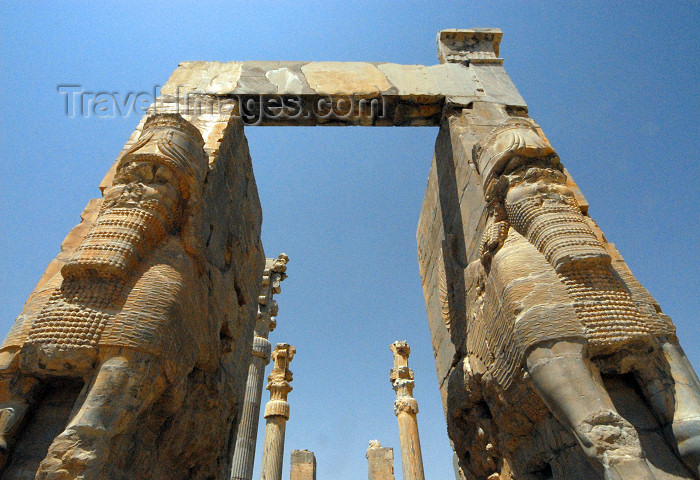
pixel 346 93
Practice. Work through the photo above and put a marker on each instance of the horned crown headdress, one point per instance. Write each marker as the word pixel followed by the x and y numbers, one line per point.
pixel 169 139
pixel 515 137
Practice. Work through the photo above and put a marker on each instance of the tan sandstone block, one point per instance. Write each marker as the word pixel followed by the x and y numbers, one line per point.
pixel 204 77
pixel 303 465
pixel 380 461
pixel 345 78
pixel 437 80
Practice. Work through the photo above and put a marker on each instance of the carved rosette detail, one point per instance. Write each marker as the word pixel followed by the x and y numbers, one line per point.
pixel 408 405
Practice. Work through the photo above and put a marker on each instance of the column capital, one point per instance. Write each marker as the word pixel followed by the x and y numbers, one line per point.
pixel 400 375
pixel 277 408
pixel 280 376
pixel 273 275
pixel 405 404
pixel 262 348
pixel 402 379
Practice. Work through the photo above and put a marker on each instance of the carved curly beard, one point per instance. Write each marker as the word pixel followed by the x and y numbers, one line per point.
pixel 120 239
pixel 559 231
pixel 603 304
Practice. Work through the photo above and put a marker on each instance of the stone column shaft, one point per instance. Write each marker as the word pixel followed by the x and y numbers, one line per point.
pixel 273 450
pixel 244 453
pixel 406 408
pixel 303 465
pixel 277 412
pixel 411 456
pixel 380 461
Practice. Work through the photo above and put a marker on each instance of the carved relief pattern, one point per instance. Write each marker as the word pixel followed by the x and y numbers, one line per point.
pixel 558 230
pixel 522 174
pixel 444 290
pixel 120 239
pixel 604 306
pixel 280 377
pixel 76 314
pixel 554 319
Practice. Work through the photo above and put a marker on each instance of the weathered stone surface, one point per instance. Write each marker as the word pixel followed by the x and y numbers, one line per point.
pixel 124 314
pixel 339 78
pixel 338 93
pixel 209 77
pixel 303 465
pixel 536 304
pixel 477 45
pixel 129 359
pixel 380 461
pixel 541 313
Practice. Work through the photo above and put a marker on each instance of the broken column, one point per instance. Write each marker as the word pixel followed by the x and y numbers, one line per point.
pixel 303 465
pixel 406 409
pixel 277 412
pixel 380 461
pixel 244 454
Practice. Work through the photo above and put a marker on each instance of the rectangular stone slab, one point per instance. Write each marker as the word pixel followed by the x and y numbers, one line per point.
pixel 335 93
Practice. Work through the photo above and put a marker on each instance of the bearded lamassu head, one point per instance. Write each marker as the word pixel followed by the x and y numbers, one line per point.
pixel 156 193
pixel 523 176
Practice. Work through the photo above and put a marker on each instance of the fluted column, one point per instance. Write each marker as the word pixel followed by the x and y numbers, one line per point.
pixel 406 408
pixel 244 453
pixel 277 412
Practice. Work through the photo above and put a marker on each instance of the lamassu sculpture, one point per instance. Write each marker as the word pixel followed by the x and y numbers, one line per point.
pixel 547 304
pixel 126 315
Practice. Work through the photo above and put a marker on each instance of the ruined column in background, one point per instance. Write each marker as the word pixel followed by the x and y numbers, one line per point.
pixel 277 412
pixel 553 361
pixel 244 454
pixel 303 465
pixel 380 461
pixel 406 409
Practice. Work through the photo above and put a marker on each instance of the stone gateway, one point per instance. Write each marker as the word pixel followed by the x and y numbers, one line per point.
pixel 132 357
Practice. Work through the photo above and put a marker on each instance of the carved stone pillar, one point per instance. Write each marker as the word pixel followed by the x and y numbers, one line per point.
pixel 380 461
pixel 244 454
pixel 549 352
pixel 277 412
pixel 406 408
pixel 303 465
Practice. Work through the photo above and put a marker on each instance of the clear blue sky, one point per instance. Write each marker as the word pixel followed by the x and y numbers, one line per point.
pixel 615 88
